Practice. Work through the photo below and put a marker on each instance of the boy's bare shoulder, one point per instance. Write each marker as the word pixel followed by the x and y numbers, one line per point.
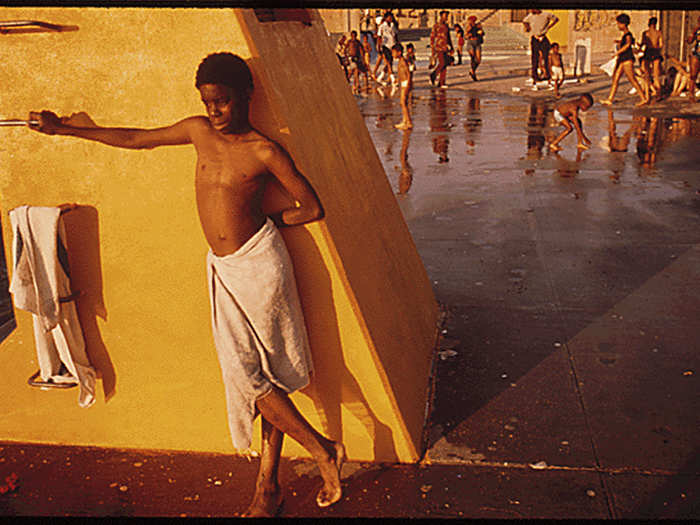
pixel 197 121
pixel 567 106
pixel 265 148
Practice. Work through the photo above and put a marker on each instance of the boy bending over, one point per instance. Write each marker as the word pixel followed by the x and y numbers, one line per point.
pixel 257 320
pixel 566 114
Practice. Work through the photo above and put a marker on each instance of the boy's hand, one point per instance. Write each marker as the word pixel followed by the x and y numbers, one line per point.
pixel 48 122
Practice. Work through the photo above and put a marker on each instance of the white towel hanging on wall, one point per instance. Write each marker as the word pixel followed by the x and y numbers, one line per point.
pixel 40 278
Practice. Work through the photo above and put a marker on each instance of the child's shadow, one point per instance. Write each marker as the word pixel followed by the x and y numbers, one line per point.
pixel 82 238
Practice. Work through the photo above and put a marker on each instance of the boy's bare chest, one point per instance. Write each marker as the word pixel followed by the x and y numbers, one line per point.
pixel 227 165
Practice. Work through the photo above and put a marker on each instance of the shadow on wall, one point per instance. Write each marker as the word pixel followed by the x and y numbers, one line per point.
pixel 332 382
pixel 82 238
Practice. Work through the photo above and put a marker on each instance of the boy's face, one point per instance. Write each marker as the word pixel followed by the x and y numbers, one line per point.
pixel 395 53
pixel 224 109
pixel 585 104
pixel 555 49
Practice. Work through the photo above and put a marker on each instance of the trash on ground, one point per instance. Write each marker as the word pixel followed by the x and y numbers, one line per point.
pixel 688 373
pixel 425 488
pixel 446 354
pixel 591 493
pixel 539 465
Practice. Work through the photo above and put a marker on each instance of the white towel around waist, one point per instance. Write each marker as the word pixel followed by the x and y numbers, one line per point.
pixel 258 326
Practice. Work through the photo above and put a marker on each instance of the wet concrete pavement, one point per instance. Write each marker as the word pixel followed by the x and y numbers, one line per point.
pixel 566 382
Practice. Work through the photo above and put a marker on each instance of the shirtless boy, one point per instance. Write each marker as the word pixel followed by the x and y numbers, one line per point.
pixel 653 42
pixel 356 61
pixel 566 113
pixel 557 67
pixel 234 165
pixel 406 83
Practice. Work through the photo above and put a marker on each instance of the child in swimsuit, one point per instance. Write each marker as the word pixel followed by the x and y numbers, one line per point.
pixel 406 83
pixel 566 114
pixel 557 68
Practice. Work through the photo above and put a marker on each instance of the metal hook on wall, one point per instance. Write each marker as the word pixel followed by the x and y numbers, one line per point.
pixel 18 122
pixel 32 26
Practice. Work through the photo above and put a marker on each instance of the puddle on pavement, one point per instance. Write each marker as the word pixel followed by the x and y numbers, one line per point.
pixel 464 142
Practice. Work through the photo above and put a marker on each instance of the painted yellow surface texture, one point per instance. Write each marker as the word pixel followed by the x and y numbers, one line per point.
pixel 137 251
pixel 560 32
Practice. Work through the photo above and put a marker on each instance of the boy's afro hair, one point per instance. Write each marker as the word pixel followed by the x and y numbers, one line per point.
pixel 226 69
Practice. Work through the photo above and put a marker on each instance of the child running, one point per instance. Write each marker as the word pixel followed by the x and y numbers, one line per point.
pixel 557 67
pixel 406 83
pixel 625 63
pixel 566 113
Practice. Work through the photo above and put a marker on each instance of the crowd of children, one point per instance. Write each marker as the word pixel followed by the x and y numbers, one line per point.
pixel 649 80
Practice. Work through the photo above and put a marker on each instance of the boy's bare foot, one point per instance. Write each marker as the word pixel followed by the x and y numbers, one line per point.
pixel 265 504
pixel 606 102
pixel 330 472
pixel 641 103
pixel 403 125
pixel 582 146
pixel 554 147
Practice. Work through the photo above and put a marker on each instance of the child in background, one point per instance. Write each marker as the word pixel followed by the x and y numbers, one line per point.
pixel 557 67
pixel 625 63
pixel 566 114
pixel 411 57
pixel 406 83
pixel 367 56
pixel 460 42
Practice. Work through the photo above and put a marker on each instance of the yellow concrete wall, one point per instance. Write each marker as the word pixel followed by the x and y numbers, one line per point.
pixel 601 28
pixel 560 32
pixel 138 252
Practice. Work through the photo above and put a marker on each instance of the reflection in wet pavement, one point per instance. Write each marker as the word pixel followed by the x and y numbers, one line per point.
pixel 462 141
pixel 526 247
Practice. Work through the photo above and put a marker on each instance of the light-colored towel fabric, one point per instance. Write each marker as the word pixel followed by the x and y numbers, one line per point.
pixel 34 284
pixel 258 326
pixel 38 281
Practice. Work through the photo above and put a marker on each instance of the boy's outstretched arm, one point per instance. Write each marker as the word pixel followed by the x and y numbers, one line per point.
pixel 282 168
pixel 131 138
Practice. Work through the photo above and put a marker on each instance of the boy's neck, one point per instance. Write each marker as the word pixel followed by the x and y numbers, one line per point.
pixel 238 129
